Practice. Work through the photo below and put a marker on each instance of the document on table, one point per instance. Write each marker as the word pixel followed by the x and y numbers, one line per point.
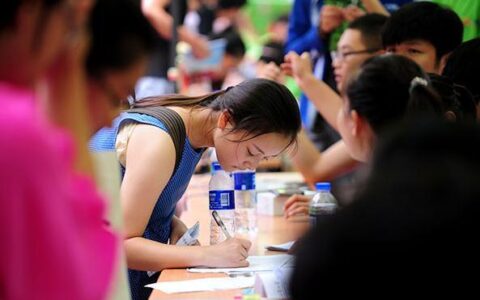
pixel 274 284
pixel 257 264
pixel 188 238
pixel 269 286
pixel 281 247
pixel 204 284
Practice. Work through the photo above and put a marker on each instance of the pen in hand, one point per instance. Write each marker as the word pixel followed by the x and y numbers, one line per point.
pixel 220 223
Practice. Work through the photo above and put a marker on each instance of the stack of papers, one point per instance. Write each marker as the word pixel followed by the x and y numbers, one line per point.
pixel 273 283
pixel 204 284
pixel 257 264
pixel 281 247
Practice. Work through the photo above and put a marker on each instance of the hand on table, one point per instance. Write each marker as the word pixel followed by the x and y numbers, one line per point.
pixel 296 205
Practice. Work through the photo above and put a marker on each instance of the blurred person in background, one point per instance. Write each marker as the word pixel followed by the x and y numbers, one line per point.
pixel 424 32
pixel 159 13
pixel 52 217
pixel 462 68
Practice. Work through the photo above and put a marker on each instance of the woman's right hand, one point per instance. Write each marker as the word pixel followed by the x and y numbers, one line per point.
pixel 296 205
pixel 229 253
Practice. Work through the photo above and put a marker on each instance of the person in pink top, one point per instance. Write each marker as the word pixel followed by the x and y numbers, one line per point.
pixel 54 241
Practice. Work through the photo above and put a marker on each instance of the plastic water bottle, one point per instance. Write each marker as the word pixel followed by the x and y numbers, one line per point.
pixel 245 202
pixel 323 203
pixel 222 199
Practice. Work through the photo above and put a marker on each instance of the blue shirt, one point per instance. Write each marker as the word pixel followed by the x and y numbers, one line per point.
pixel 159 226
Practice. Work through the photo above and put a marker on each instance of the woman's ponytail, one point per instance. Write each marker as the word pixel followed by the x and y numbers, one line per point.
pixel 423 99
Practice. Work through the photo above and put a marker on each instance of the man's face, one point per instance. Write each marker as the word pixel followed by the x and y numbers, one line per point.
pixel 420 51
pixel 350 55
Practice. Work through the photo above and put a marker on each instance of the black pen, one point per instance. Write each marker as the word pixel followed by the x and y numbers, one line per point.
pixel 220 224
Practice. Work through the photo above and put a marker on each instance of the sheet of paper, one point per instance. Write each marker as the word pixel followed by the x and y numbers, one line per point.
pixel 274 284
pixel 257 264
pixel 188 238
pixel 204 284
pixel 281 247
pixel 267 285
pixel 191 64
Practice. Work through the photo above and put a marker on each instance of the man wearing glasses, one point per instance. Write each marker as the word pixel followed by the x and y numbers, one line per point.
pixel 360 41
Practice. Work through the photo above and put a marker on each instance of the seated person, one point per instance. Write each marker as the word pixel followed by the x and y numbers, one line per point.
pixel 360 41
pixel 424 32
pixel 412 227
pixel 458 102
pixel 365 114
pixel 462 68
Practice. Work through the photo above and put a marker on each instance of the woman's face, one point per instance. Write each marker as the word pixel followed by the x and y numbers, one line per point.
pixel 236 151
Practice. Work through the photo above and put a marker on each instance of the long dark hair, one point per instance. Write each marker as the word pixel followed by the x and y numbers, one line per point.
pixel 257 106
pixel 455 98
pixel 462 67
pixel 384 91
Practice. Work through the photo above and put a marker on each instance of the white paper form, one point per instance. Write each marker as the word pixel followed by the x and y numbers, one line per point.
pixel 257 264
pixel 204 284
pixel 274 284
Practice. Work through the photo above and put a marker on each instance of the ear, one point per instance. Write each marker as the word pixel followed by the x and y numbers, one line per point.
pixel 223 120
pixel 356 123
pixel 450 116
pixel 443 62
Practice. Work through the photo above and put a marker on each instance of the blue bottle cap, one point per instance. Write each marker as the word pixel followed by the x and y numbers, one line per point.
pixel 216 166
pixel 322 186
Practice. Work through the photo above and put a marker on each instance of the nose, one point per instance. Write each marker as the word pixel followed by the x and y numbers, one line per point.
pixel 336 62
pixel 252 163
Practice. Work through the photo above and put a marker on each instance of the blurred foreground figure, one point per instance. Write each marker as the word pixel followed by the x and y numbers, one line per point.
pixel 412 228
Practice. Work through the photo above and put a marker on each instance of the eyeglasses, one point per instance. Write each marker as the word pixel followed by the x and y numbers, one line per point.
pixel 341 56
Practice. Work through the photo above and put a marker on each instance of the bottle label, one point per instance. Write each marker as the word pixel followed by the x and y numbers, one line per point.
pixel 244 180
pixel 222 200
pixel 322 209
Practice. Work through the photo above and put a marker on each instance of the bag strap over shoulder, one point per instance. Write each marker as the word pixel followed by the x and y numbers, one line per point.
pixel 174 124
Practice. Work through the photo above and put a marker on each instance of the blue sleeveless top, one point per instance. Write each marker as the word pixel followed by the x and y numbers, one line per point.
pixel 159 226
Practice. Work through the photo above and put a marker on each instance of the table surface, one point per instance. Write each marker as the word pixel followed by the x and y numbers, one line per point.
pixel 271 230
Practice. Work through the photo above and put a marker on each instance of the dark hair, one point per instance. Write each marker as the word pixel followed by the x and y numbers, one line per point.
pixel 9 9
pixel 226 4
pixel 272 51
pixel 235 46
pixel 256 106
pixel 121 35
pixel 455 98
pixel 463 65
pixel 370 27
pixel 384 91
pixel 425 21
pixel 414 225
